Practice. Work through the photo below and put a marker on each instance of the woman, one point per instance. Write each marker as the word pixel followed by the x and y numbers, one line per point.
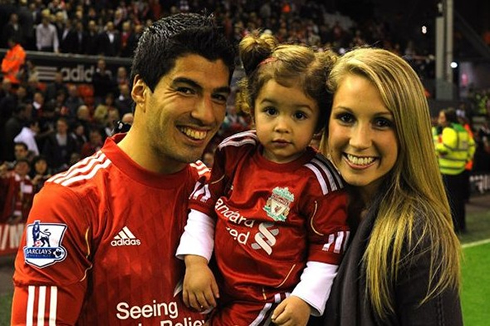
pixel 40 172
pixel 402 267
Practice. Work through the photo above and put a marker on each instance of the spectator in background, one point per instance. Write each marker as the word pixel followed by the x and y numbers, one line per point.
pixel 85 118
pixel 59 22
pixel 112 118
pixel 56 85
pixel 128 118
pixel 28 136
pixel 59 146
pixel 36 9
pixel 21 152
pixel 124 102
pixel 465 122
pixel 47 124
pixel 233 123
pixel 454 148
pixel 26 20
pixel 121 77
pixel 21 95
pixel 19 194
pixel 109 41
pixel 68 37
pixel 94 143
pixel 47 35
pixel 78 134
pixel 59 104
pixel 73 101
pixel 29 76
pixel 13 61
pixel 79 37
pixel 128 39
pixel 482 152
pixel 12 128
pixel 38 101
pixel 8 102
pixel 90 38
pixel 13 30
pixel 40 172
pixel 102 82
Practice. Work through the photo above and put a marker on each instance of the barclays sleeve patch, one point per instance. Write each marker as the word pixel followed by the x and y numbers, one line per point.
pixel 43 246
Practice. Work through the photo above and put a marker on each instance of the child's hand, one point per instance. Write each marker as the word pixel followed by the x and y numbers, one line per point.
pixel 291 312
pixel 199 288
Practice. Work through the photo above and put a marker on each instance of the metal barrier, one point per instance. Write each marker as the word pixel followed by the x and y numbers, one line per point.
pixel 480 183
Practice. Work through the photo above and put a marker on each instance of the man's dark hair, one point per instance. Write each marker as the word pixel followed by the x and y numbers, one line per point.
pixel 21 143
pixel 172 37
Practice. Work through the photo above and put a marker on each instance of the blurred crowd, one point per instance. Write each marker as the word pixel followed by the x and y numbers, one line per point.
pixel 46 127
pixel 112 28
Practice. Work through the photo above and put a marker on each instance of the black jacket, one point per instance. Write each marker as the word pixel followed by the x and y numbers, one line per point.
pixel 348 304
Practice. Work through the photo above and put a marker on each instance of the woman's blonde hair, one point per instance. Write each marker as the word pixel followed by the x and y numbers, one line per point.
pixel 264 59
pixel 414 195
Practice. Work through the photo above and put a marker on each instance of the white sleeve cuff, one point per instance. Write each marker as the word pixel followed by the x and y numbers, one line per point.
pixel 198 237
pixel 315 285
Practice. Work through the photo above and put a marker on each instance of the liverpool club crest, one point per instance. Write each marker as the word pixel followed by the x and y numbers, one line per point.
pixel 277 206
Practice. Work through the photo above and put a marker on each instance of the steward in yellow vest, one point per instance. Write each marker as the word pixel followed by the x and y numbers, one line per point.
pixel 455 148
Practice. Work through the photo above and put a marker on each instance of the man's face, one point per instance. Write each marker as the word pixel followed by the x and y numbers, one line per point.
pixel 20 152
pixel 22 168
pixel 184 112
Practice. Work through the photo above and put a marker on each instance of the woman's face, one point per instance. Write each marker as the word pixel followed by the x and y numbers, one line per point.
pixel 41 166
pixel 362 139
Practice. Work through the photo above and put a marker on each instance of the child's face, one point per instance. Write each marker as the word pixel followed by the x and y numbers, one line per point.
pixel 285 119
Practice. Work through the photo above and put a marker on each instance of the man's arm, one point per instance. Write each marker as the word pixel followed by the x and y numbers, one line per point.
pixel 50 269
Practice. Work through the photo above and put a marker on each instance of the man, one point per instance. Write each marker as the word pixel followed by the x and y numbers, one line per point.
pixel 28 136
pixel 13 61
pixel 12 30
pixel 12 128
pixel 455 148
pixel 19 193
pixel 109 41
pixel 47 35
pixel 115 218
pixel 102 82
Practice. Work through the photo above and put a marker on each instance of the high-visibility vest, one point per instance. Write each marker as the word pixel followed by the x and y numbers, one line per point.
pixel 455 148
pixel 469 165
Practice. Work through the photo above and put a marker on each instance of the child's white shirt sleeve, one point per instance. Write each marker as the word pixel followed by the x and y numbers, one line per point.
pixel 198 237
pixel 315 285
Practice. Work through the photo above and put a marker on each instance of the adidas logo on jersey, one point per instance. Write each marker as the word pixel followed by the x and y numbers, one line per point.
pixel 125 238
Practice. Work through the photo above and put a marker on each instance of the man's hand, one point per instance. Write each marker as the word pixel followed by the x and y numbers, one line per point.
pixel 199 288
pixel 291 312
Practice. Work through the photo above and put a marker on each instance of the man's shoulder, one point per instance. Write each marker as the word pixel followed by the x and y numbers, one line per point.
pixel 90 172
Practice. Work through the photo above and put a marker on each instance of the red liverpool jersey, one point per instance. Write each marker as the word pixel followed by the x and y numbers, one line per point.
pixel 271 218
pixel 99 246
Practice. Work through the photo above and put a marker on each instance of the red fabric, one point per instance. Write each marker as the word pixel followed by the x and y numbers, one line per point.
pixel 259 255
pixel 18 199
pixel 120 226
